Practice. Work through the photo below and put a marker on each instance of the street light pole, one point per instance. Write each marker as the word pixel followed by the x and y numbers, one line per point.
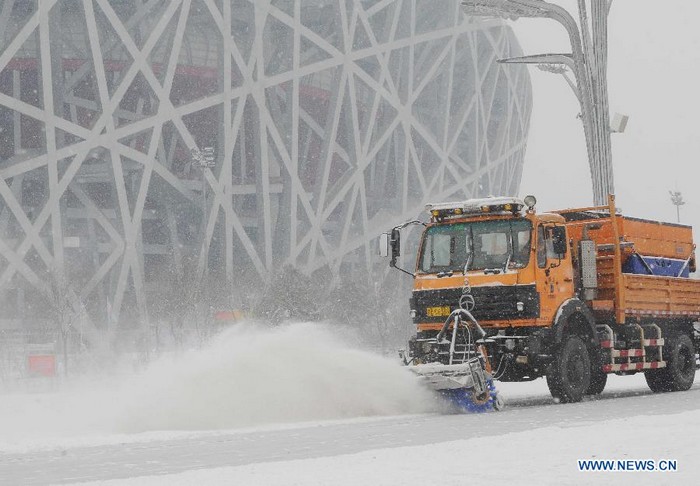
pixel 588 62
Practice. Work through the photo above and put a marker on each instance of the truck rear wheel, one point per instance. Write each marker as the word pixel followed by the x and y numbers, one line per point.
pixel 679 373
pixel 569 376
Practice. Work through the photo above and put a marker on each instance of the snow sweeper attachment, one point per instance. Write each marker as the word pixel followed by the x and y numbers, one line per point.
pixel 457 367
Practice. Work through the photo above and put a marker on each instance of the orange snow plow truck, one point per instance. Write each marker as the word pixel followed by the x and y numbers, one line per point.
pixel 570 295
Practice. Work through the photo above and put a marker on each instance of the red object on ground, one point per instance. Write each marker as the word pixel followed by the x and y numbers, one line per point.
pixel 42 364
pixel 234 315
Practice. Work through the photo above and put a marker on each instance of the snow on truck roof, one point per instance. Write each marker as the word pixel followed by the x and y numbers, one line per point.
pixel 509 204
pixel 586 214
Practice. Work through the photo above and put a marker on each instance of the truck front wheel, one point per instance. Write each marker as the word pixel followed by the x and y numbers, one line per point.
pixel 598 381
pixel 569 375
pixel 679 373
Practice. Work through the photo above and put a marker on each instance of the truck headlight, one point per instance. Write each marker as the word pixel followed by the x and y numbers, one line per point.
pixel 530 201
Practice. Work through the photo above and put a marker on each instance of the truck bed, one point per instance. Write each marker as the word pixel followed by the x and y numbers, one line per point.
pixel 646 295
pixel 627 295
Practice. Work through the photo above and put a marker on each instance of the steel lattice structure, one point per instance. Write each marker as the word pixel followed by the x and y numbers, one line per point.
pixel 328 120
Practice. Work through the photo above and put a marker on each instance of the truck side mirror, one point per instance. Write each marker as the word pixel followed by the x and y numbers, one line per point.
pixel 384 245
pixel 391 241
pixel 395 242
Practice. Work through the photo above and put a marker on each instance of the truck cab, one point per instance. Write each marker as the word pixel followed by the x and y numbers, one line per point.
pixel 516 264
pixel 509 266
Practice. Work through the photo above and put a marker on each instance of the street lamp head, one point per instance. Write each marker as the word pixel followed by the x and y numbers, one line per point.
pixel 481 11
pixel 676 198
pixel 507 9
pixel 552 68
pixel 205 158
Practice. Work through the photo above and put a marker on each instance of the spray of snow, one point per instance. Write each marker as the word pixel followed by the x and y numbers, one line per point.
pixel 251 376
pixel 248 376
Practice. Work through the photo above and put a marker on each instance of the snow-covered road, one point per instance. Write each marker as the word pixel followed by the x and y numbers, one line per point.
pixel 226 413
pixel 533 441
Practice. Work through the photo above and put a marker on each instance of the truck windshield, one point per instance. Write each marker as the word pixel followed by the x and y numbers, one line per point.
pixel 481 245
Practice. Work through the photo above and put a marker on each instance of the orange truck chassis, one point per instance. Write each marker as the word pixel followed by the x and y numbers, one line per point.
pixel 570 295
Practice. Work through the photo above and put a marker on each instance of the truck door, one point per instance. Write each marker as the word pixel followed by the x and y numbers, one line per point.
pixel 555 281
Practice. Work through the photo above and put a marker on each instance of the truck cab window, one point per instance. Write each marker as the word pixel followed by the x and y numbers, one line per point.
pixel 442 246
pixel 521 246
pixel 479 245
pixel 541 247
pixel 444 250
pixel 545 247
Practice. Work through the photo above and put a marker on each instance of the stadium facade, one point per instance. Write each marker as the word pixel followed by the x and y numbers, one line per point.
pixel 148 146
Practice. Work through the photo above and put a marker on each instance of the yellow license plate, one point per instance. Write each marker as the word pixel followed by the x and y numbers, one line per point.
pixel 438 311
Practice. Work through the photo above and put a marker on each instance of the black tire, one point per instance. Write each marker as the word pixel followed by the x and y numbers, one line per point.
pixel 679 373
pixel 569 376
pixel 657 380
pixel 598 381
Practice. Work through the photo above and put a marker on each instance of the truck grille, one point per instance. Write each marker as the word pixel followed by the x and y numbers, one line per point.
pixel 492 303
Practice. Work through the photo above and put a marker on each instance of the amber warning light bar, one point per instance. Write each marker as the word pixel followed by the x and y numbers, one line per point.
pixel 491 205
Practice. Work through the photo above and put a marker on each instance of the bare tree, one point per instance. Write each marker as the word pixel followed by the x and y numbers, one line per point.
pixel 188 304
pixel 66 309
pixel 291 295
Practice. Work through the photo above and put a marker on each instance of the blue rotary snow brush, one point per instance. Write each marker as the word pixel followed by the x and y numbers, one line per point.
pixel 467 400
pixel 466 385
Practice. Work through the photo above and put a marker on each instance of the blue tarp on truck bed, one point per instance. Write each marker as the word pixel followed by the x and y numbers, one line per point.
pixel 665 267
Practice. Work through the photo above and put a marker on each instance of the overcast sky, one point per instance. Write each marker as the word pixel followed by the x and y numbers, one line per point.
pixel 654 62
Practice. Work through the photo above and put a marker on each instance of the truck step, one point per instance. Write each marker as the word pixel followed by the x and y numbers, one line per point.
pixel 608 344
pixel 628 353
pixel 611 368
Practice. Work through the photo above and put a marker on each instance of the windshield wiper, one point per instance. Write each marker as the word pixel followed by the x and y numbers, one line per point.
pixel 510 247
pixel 470 240
pixel 505 267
